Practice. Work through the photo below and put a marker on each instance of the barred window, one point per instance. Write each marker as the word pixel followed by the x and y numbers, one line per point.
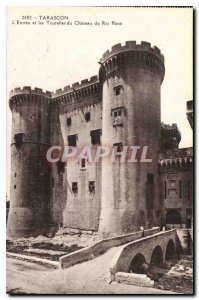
pixel 118 116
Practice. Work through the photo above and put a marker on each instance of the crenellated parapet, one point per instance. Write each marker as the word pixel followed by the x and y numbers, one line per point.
pixel 170 136
pixel 132 54
pixel 84 87
pixel 27 90
pixel 26 95
pixel 131 45
pixel 79 95
pixel 177 163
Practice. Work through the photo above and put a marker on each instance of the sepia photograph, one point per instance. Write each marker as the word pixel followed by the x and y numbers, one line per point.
pixel 99 193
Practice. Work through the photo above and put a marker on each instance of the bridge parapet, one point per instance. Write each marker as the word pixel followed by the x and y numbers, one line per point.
pixel 144 246
pixel 100 247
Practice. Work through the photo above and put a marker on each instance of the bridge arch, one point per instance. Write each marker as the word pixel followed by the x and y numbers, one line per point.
pixel 170 250
pixel 148 250
pixel 157 257
pixel 138 264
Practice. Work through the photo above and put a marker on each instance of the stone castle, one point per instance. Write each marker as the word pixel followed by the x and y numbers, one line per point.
pixel 120 107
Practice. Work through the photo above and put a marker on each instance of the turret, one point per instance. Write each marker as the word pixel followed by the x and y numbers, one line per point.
pixel 30 172
pixel 131 76
pixel 170 137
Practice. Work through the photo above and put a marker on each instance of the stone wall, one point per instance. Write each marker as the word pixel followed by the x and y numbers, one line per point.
pixel 82 208
pixel 134 279
pixel 177 189
pixel 58 185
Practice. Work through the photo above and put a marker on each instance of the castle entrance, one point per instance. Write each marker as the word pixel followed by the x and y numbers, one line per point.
pixel 173 217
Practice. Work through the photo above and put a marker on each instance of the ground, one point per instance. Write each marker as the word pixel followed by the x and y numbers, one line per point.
pixel 91 277
pixel 176 276
pixel 64 242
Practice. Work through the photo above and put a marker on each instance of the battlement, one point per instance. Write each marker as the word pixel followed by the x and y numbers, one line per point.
pixel 175 161
pixel 131 46
pixel 69 95
pixel 176 153
pixel 179 159
pixel 76 86
pixel 28 90
pixel 169 127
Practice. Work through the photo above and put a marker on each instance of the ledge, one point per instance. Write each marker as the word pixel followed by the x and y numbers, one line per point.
pixel 33 259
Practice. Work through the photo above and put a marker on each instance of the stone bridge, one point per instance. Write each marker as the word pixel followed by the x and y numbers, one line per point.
pixel 152 250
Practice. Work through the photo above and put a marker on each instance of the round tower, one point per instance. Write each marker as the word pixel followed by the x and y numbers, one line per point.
pixel 30 173
pixel 131 76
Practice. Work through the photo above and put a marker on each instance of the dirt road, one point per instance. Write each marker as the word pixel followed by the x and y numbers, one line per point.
pixel 91 277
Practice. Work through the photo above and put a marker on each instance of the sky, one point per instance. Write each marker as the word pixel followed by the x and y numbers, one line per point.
pixel 53 56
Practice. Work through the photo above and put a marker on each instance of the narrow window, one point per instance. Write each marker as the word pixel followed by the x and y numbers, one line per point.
pixel 83 163
pixel 117 89
pixel 119 147
pixel 15 174
pixel 188 190
pixel 92 187
pixel 95 137
pixel 60 179
pixel 68 122
pixel 60 166
pixel 149 190
pixel 74 187
pixel 180 188
pixel 119 113
pixel 18 137
pixel 165 189
pixel 87 116
pixel 150 178
pixel 53 182
pixel 15 187
pixel 72 140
